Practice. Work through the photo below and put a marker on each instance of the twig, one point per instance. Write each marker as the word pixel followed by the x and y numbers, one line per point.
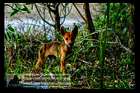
pixel 89 63
pixel 9 6
pixel 49 7
pixel 127 49
pixel 42 17
pixel 74 72
pixel 79 12
pixel 112 42
pixel 65 14
pixel 50 14
pixel 122 46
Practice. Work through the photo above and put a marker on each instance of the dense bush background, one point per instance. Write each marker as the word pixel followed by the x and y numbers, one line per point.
pixel 107 62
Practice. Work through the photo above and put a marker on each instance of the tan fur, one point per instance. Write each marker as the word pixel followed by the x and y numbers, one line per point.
pixel 56 49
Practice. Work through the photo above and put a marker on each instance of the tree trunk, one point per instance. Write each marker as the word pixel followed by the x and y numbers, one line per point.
pixel 54 8
pixel 57 19
pixel 89 22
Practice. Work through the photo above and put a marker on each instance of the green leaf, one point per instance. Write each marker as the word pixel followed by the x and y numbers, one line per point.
pixel 13 36
pixel 14 12
pixel 25 9
pixel 10 28
pixel 17 6
pixel 8 36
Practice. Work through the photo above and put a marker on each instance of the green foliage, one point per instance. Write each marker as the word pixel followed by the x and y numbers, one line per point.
pixel 88 59
pixel 19 8
pixel 119 22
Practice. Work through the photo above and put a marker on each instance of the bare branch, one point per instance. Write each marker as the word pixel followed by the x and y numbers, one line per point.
pixel 42 17
pixel 50 14
pixel 127 49
pixel 56 5
pixel 9 6
pixel 122 46
pixel 79 12
pixel 89 63
pixel 74 72
pixel 45 5
pixel 65 12
pixel 64 9
pixel 49 7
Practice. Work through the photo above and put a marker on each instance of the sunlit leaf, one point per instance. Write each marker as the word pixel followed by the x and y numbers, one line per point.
pixel 25 9
pixel 14 12
pixel 10 28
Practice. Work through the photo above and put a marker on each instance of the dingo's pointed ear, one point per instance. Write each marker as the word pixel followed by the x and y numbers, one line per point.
pixel 62 30
pixel 75 30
